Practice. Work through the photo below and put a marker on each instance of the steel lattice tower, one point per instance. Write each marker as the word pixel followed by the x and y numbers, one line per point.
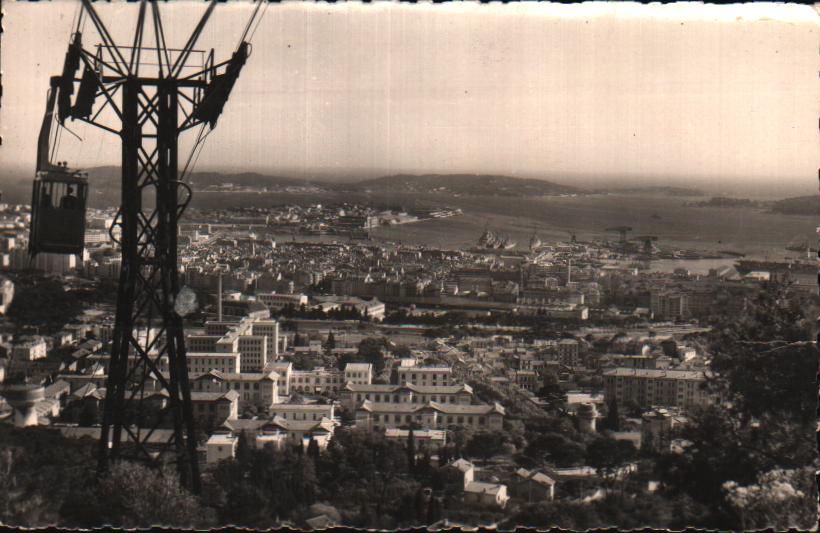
pixel 147 392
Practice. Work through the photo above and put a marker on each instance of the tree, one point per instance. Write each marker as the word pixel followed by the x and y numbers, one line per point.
pixel 552 393
pixel 764 362
pixel 485 444
pixel 433 511
pixel 303 483
pixel 612 420
pixel 555 448
pixel 330 344
pixel 313 449
pixel 411 450
pixel 670 347
pixel 402 352
pixel 607 455
pixel 777 500
pixel 132 495
pixel 370 351
pixel 419 506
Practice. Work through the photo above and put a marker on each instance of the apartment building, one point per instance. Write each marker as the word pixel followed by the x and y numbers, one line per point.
pixel 303 411
pixel 669 305
pixel 353 394
pixel 425 376
pixel 202 362
pixel 30 349
pixel 569 351
pixel 317 381
pixel 213 408
pixel 284 369
pixel 252 388
pixel 276 301
pixel 277 432
pixel 358 373
pixel 432 415
pixel 255 340
pixel 654 387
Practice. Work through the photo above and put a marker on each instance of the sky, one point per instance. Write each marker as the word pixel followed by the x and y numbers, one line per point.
pixel 586 93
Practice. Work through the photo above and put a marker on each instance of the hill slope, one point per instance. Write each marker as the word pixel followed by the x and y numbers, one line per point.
pixel 469 184
pixel 801 205
pixel 207 178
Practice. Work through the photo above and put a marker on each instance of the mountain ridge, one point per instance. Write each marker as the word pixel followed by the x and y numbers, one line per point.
pixel 469 184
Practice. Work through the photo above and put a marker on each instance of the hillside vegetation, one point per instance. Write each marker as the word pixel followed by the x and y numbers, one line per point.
pixel 801 205
pixel 470 184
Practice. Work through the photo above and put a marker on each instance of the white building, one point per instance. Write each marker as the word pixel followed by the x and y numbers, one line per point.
pixel 358 373
pixel 220 446
pixel 30 349
pixel 255 340
pixel 270 330
pixel 317 381
pixel 477 492
pixel 431 440
pixel 276 301
pixel 353 394
pixel 277 432
pixel 433 415
pixel 202 362
pixel 306 411
pixel 284 369
pixel 424 376
pixel 6 294
pixel 258 389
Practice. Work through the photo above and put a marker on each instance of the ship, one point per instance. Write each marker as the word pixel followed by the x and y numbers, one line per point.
pixel 491 241
pixel 744 266
pixel 798 246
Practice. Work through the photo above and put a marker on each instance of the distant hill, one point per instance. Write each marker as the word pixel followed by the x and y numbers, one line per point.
pixel 468 184
pixel 723 201
pixel 206 178
pixel 801 205
pixel 104 182
pixel 245 179
pixel 658 189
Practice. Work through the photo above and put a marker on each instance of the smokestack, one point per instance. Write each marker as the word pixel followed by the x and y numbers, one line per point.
pixel 219 298
pixel 569 271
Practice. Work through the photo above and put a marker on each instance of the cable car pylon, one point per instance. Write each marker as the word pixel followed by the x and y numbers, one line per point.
pixel 148 103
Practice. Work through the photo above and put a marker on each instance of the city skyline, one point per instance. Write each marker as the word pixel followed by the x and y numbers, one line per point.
pixel 275 339
pixel 643 93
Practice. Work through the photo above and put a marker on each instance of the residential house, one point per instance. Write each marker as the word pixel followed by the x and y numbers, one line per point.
pixel 532 486
pixel 461 473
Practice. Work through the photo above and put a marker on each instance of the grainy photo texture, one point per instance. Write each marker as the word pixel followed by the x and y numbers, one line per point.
pixel 389 265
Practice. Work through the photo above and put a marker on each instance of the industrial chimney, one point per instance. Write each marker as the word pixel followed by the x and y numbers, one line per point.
pixel 219 298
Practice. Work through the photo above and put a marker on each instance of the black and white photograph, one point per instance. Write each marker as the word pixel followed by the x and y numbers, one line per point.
pixel 388 266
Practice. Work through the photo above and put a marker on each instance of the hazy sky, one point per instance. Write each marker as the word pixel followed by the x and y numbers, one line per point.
pixel 704 93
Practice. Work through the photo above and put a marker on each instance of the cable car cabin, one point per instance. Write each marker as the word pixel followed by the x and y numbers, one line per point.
pixel 58 213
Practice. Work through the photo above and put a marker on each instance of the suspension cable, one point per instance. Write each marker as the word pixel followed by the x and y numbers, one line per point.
pixel 75 19
pixel 259 22
pixel 194 156
pixel 57 138
pixel 201 145
pixel 250 22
